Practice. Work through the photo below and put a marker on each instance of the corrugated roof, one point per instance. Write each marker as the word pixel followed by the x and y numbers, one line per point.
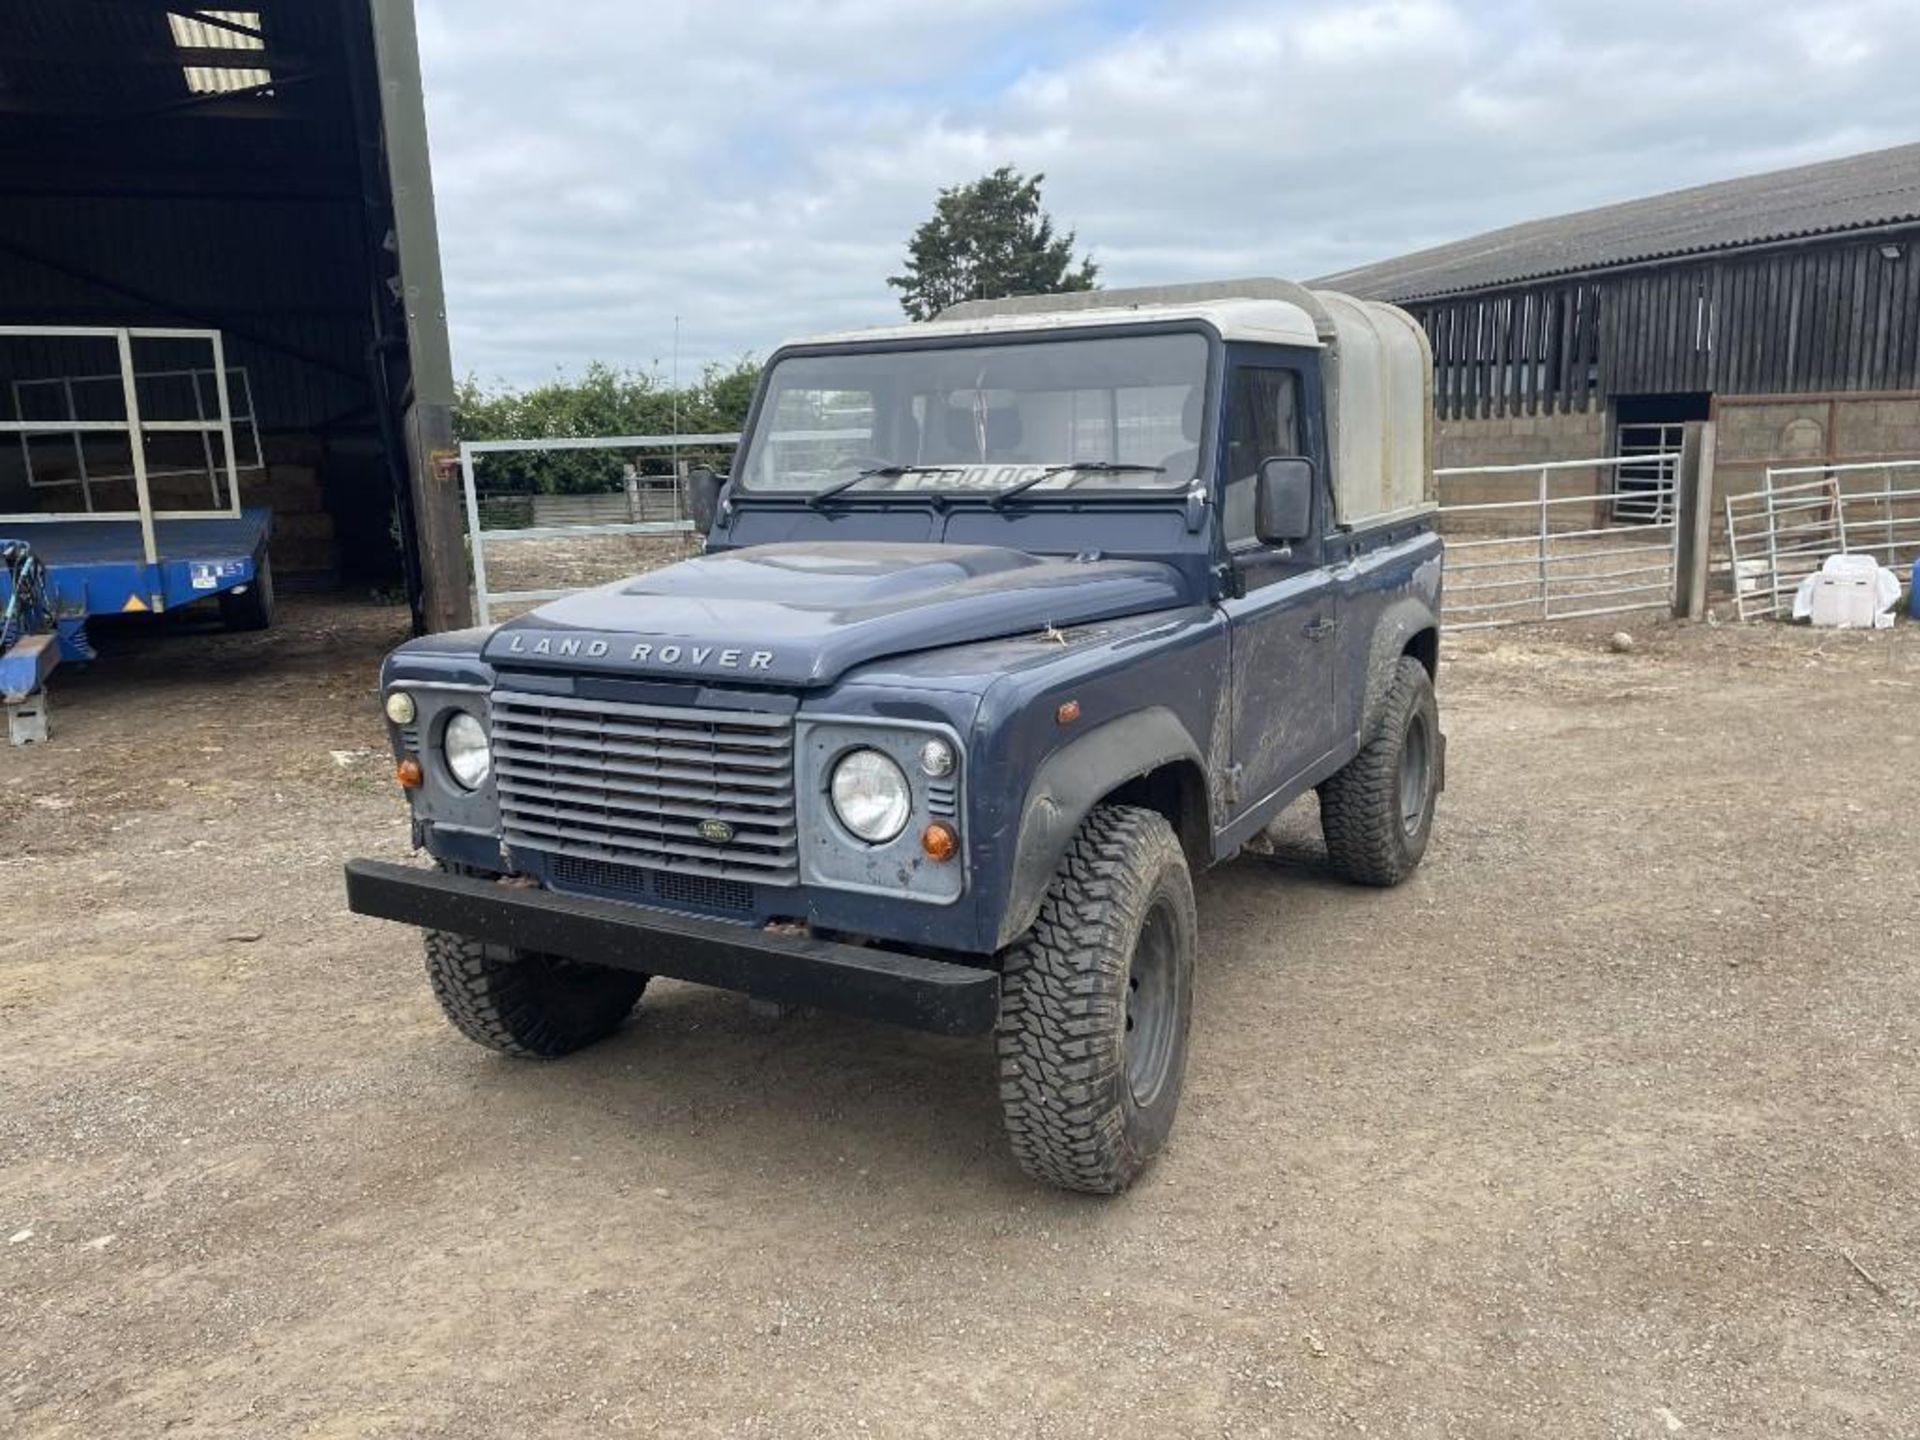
pixel 1881 187
pixel 221 30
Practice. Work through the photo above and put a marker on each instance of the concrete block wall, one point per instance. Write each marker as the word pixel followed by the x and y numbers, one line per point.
pixel 1753 432
pixel 1758 432
pixel 1519 440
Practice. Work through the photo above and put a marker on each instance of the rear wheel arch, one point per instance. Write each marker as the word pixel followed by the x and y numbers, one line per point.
pixel 1424 646
pixel 1377 811
pixel 1407 627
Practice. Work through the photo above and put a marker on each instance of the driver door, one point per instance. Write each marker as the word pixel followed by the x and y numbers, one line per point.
pixel 1280 626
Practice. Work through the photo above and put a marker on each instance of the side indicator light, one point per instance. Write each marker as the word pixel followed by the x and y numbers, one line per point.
pixel 409 773
pixel 1067 713
pixel 940 842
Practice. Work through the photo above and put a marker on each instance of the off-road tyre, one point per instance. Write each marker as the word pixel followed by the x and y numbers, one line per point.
pixel 1078 1113
pixel 251 609
pixel 523 1003
pixel 1376 826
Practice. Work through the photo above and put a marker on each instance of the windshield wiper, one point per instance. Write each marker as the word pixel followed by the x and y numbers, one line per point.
pixel 890 472
pixel 1098 467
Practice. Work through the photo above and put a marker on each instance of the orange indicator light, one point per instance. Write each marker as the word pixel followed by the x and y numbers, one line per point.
pixel 408 773
pixel 1067 713
pixel 940 842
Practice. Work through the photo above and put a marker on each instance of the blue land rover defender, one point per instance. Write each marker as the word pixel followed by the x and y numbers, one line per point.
pixel 1006 624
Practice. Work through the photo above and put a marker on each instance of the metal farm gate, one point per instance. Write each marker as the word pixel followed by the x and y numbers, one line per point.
pixel 1525 543
pixel 1562 540
pixel 1783 532
pixel 570 534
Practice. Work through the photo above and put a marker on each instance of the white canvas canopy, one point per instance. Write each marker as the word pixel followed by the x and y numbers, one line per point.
pixel 1379 384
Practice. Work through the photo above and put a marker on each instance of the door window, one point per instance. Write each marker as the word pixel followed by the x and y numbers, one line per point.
pixel 1264 411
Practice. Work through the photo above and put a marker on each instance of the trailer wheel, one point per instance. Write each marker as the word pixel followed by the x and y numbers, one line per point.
pixel 523 1003
pixel 252 608
pixel 1377 811
pixel 1095 1004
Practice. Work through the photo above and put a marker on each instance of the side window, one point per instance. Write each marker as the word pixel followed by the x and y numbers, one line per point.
pixel 1263 421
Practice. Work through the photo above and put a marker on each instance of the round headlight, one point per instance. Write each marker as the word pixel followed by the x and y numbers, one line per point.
pixel 400 708
pixel 469 758
pixel 871 796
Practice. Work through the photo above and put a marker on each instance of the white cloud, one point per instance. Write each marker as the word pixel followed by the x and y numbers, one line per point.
pixel 755 168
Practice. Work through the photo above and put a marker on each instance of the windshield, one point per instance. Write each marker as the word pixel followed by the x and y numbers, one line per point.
pixel 1108 413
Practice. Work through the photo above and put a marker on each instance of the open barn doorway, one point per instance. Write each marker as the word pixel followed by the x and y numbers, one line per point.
pixel 1646 432
pixel 255 174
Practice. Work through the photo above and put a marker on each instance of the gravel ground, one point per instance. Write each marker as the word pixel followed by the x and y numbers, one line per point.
pixel 1605 1124
pixel 581 561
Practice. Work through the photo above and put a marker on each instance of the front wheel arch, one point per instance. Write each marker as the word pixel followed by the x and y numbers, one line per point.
pixel 1146 756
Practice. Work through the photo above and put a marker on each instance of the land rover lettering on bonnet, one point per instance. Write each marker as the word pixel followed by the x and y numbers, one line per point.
pixel 573 647
pixel 1006 623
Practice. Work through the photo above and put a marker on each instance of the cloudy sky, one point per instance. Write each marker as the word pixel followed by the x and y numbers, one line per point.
pixel 755 168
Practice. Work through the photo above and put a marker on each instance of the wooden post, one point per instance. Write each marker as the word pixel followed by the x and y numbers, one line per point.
pixel 439 517
pixel 432 462
pixel 1693 521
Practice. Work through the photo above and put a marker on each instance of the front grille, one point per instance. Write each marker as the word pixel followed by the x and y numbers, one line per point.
pixel 630 882
pixel 701 890
pixel 636 784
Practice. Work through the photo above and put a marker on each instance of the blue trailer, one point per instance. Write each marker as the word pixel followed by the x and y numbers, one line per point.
pixel 100 567
pixel 61 568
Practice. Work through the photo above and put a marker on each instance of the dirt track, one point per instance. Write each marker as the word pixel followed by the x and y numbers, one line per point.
pixel 1606 1124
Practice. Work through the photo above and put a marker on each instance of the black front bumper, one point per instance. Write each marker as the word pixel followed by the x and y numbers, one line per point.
pixel 798 969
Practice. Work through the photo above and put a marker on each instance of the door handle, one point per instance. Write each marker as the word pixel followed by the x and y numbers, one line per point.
pixel 1319 629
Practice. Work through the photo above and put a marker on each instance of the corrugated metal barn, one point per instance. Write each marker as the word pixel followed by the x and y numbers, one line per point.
pixel 1785 307
pixel 261 172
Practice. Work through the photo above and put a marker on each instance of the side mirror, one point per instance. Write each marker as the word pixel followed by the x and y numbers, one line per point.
pixel 1283 503
pixel 703 497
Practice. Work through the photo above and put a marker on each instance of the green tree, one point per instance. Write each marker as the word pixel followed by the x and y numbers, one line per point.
pixel 987 240
pixel 601 400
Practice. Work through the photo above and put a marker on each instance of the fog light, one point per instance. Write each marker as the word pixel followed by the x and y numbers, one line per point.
pixel 408 773
pixel 400 708
pixel 939 842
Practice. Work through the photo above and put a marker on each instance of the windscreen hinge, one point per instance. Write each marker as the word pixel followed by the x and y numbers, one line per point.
pixel 1196 508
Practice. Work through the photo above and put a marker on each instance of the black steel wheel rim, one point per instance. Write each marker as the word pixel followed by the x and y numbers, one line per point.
pixel 1416 775
pixel 1152 1003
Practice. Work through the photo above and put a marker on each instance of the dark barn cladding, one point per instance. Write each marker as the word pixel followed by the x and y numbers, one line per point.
pixel 1795 281
pixel 260 171
pixel 1835 317
pixel 1785 306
